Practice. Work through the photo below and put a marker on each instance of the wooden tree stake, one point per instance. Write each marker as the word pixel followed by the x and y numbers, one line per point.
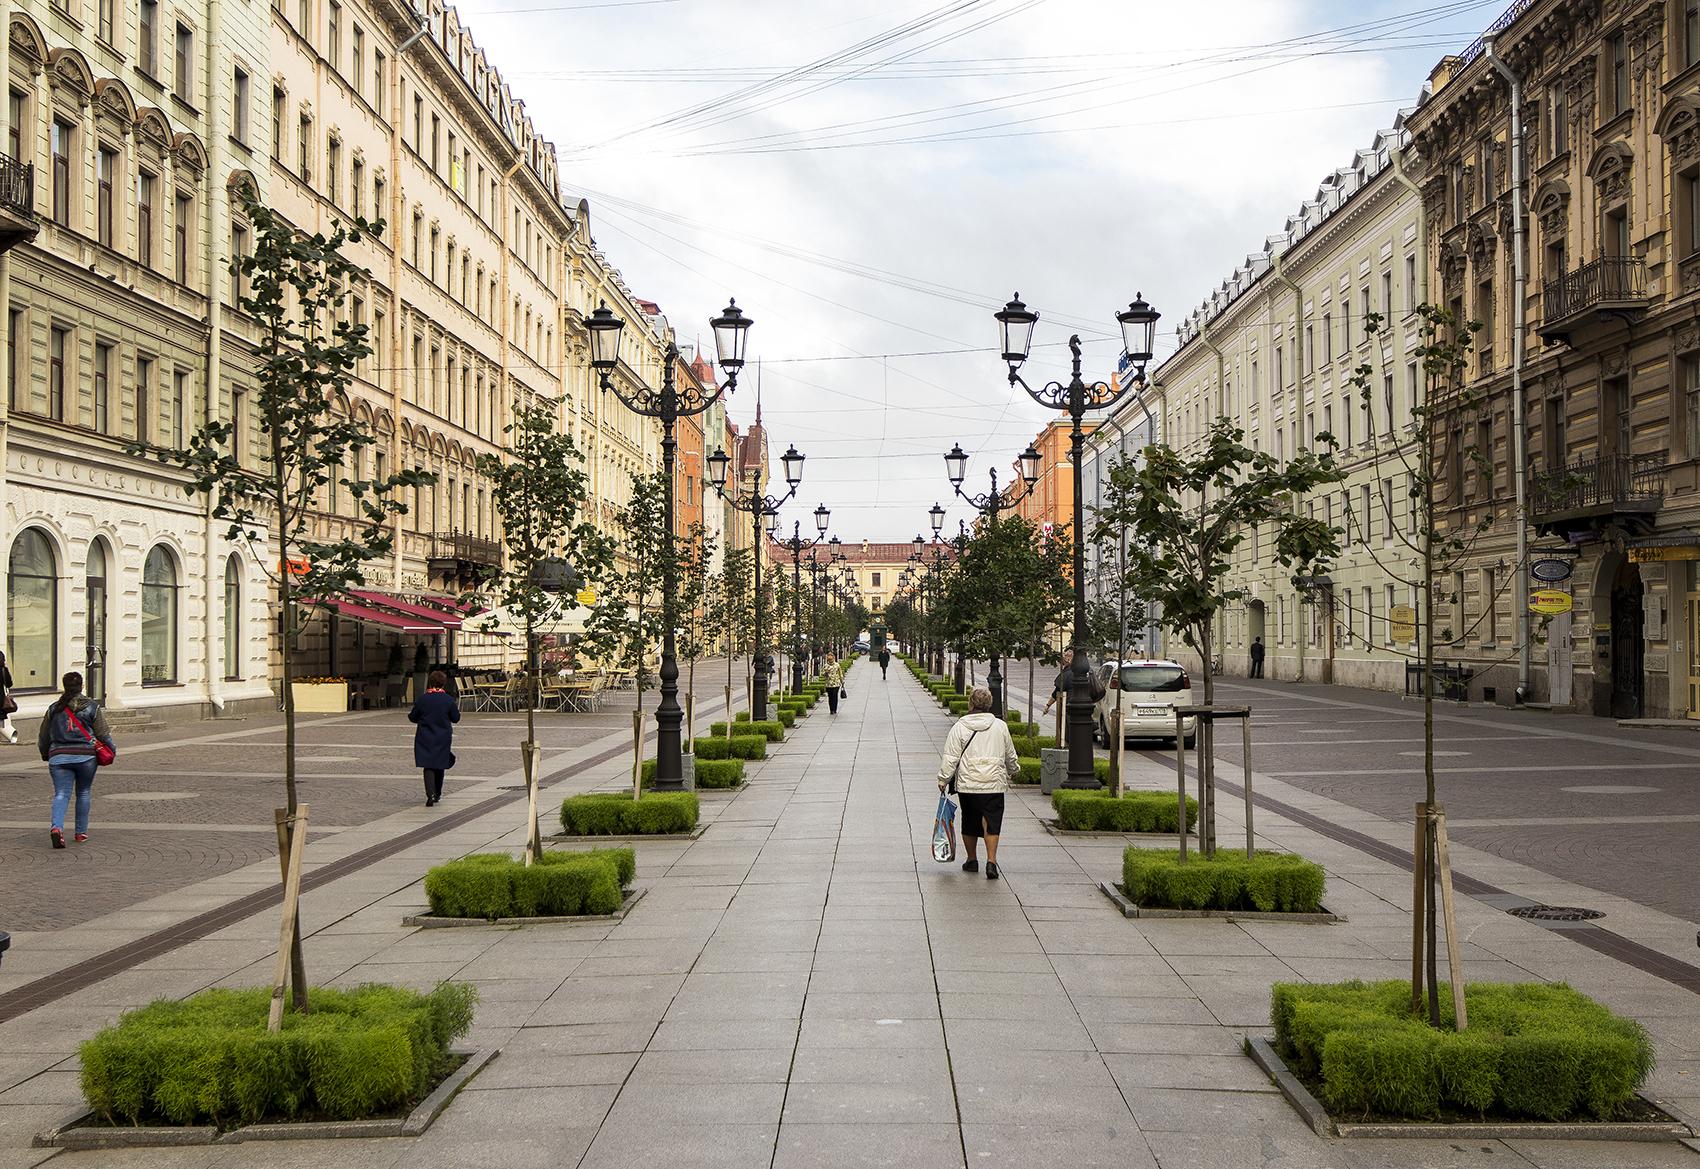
pixel 1180 784
pixel 637 754
pixel 297 831
pixel 1245 729
pixel 1443 865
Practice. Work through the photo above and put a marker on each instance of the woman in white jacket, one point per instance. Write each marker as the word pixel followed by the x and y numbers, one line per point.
pixel 980 756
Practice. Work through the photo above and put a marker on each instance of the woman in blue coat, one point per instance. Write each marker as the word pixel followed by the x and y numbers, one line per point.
pixel 436 713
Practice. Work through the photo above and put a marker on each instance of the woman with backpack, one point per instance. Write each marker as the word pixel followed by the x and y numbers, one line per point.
pixel 979 763
pixel 74 742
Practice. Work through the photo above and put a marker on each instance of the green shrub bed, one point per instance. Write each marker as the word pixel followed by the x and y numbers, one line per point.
pixel 770 729
pixel 208 1059
pixel 711 773
pixel 1532 1050
pixel 1134 812
pixel 560 884
pixel 785 717
pixel 1029 769
pixel 617 814
pixel 737 747
pixel 1267 883
pixel 1033 744
pixel 958 706
pixel 743 716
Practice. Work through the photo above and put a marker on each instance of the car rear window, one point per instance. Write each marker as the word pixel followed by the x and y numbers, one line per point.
pixel 1152 679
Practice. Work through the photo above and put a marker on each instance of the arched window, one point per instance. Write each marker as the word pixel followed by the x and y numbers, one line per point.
pixel 95 581
pixel 32 612
pixel 233 619
pixel 159 618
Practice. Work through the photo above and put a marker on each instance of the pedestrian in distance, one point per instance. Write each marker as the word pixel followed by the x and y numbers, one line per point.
pixel 1257 652
pixel 74 741
pixel 979 764
pixel 1059 689
pixel 8 704
pixel 885 660
pixel 832 678
pixel 434 714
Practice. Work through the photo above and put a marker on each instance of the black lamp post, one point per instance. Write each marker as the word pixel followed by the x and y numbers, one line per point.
pixel 764 519
pixel 669 404
pixel 1138 324
pixel 991 505
pixel 797 544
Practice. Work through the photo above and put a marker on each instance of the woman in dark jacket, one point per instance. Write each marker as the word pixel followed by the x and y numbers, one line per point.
pixel 69 751
pixel 7 705
pixel 435 712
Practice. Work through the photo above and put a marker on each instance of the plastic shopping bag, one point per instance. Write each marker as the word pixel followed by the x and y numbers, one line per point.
pixel 944 831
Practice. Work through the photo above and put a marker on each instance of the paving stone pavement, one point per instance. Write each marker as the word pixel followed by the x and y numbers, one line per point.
pixel 803 987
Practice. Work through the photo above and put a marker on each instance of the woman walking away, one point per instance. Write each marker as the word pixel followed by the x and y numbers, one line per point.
pixel 72 738
pixel 833 677
pixel 435 712
pixel 8 704
pixel 979 762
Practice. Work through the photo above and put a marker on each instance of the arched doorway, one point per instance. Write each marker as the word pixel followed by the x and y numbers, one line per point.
pixel 1256 612
pixel 1626 644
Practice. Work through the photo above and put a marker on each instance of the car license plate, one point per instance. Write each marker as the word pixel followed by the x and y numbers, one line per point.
pixel 1152 712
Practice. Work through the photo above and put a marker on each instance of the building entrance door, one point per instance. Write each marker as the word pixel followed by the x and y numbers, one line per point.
pixel 95 629
pixel 1626 643
pixel 1693 633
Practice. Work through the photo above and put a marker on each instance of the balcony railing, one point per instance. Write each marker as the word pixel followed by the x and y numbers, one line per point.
pixel 1610 282
pixel 465 549
pixel 17 186
pixel 1608 485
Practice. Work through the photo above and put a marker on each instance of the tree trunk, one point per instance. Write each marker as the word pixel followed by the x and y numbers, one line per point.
pixel 286 658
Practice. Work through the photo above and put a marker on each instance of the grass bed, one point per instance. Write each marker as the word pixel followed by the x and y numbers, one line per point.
pixel 560 884
pixel 209 1059
pixel 1267 883
pixel 617 814
pixel 711 773
pixel 737 747
pixel 1532 1051
pixel 1134 812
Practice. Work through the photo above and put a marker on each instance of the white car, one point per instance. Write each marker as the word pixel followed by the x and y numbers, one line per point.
pixel 1148 690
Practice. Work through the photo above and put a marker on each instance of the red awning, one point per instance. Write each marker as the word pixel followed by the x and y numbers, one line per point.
pixel 410 608
pixel 388 620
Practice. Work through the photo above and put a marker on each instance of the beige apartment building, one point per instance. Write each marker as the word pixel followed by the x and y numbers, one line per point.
pixel 1274 348
pixel 126 123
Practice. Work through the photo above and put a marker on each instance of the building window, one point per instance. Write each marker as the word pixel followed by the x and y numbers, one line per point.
pixel 1327 338
pixel 233 639
pixel 1389 596
pixel 1617 75
pixel 1620 407
pixel 32 612
pixel 333 36
pixel 184 211
pixel 357 57
pixel 103 387
pixel 58 341
pixel 1615 237
pixel 418 123
pixel 1555 442
pixel 277 123
pixel 145 186
pixel 179 405
pixel 357 187
pixel 304 165
pixel 333 168
pixel 1688 211
pixel 239 115
pixel 1688 34
pixel 62 132
pixel 105 168
pixel 185 79
pixel 106 7
pixel 377 77
pixel 238 273
pixel 144 398
pixel 1558 119
pixel 147 36
pixel 15 355
pixel 436 140
pixel 159 617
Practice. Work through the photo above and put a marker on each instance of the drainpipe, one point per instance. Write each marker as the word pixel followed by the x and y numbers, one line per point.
pixel 1519 311
pixel 218 277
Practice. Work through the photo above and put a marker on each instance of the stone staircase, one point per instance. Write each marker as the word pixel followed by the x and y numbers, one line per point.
pixel 128 721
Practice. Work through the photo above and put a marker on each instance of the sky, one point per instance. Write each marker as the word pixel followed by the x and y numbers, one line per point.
pixel 872 181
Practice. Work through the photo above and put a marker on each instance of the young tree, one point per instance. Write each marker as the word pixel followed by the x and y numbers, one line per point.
pixel 1189 512
pixel 730 615
pixel 295 286
pixel 542 495
pixel 1005 578
pixel 695 550
pixel 629 621
pixel 1438 538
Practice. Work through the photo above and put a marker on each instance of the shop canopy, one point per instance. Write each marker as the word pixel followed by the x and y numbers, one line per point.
pixel 407 608
pixel 401 622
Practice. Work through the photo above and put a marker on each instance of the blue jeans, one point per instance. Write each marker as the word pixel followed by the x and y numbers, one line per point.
pixel 68 772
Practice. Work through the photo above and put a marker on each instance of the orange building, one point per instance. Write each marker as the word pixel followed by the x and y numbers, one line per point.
pixel 694 378
pixel 1052 499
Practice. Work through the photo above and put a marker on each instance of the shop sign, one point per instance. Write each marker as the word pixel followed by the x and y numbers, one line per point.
pixel 1550 570
pixel 585 596
pixel 1404 621
pixel 1655 555
pixel 1550 601
pixel 295 566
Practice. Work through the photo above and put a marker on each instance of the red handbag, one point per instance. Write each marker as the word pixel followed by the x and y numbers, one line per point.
pixel 103 755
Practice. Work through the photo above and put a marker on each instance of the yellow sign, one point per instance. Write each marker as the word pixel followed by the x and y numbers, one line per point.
pixel 585 596
pixel 1404 621
pixel 1550 601
pixel 1654 555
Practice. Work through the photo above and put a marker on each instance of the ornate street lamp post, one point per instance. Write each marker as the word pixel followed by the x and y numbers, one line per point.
pixel 1138 324
pixel 798 545
pixel 991 505
pixel 669 404
pixel 764 518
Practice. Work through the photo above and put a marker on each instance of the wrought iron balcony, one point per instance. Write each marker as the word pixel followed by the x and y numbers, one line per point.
pixel 1589 493
pixel 1610 285
pixel 17 202
pixel 463 556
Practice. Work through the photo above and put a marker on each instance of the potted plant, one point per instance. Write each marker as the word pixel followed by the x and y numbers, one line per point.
pixel 320 695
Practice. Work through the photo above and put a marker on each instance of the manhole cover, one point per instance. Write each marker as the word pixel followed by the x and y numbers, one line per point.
pixel 1555 913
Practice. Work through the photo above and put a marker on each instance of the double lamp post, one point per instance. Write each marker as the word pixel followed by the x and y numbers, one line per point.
pixel 1138 325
